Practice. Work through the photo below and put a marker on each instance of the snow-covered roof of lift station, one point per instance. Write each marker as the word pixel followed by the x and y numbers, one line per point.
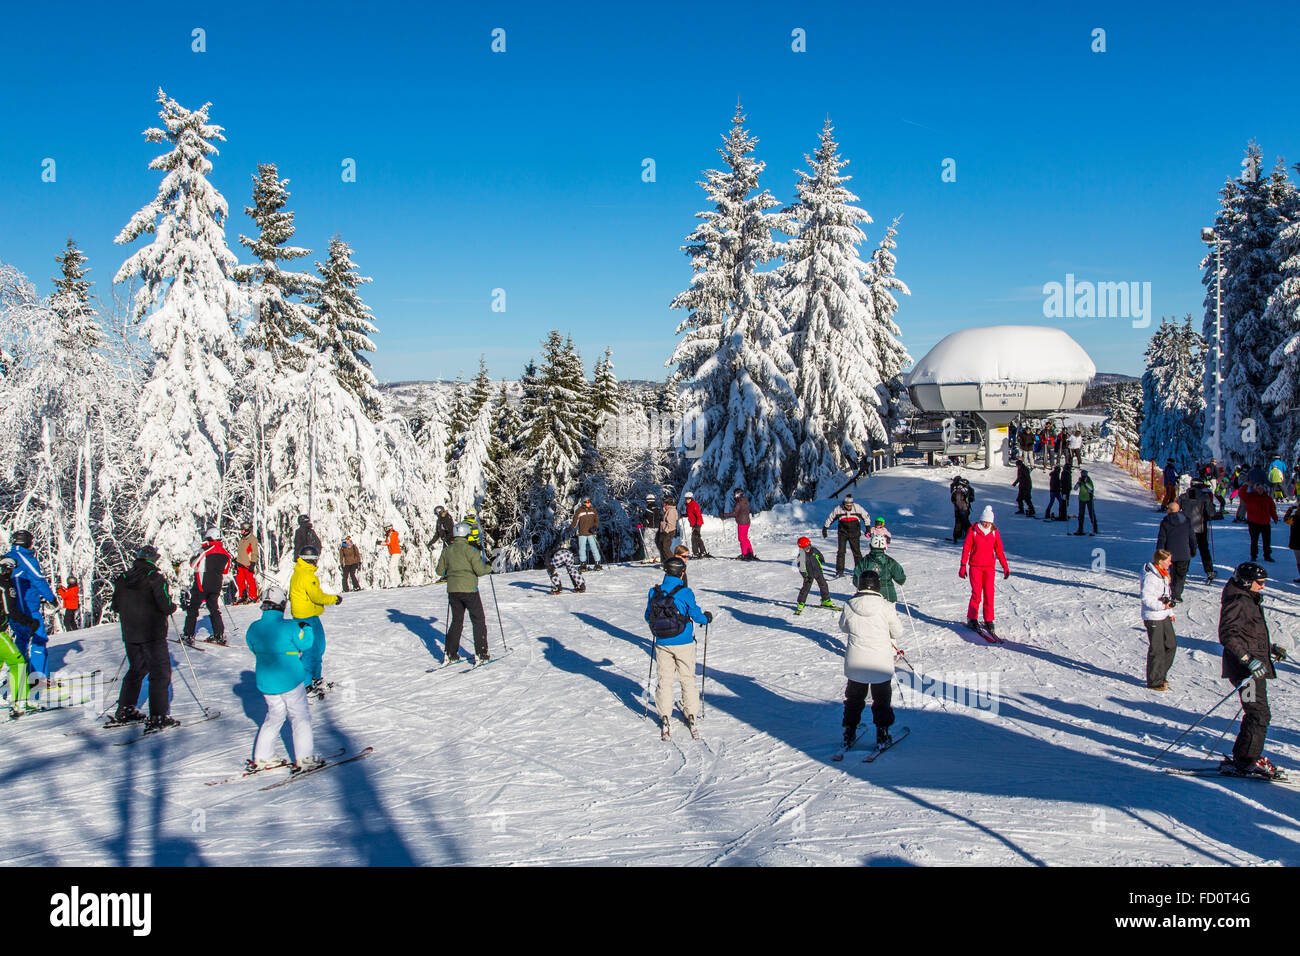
pixel 1020 354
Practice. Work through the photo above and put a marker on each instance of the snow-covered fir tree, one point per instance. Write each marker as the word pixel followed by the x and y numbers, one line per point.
pixel 344 325
pixel 480 390
pixel 1283 313
pixel 605 402
pixel 731 358
pixel 892 353
pixel 77 332
pixel 281 326
pixel 188 307
pixel 1123 417
pixel 1173 403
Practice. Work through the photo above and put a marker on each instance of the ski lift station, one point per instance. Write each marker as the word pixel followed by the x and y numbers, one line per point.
pixel 996 374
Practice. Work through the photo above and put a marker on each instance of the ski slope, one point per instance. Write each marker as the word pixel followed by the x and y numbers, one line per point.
pixel 543 757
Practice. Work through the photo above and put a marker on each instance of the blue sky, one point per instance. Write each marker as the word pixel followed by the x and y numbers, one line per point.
pixel 522 170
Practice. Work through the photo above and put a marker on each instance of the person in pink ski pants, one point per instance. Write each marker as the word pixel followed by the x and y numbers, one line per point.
pixel 741 512
pixel 981 552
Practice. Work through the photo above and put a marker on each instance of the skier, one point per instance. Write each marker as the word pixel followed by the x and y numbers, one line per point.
pixel 850 521
pixel 887 570
pixel 873 630
pixel 32 590
pixel 394 547
pixel 1261 515
pixel 667 527
pixel 1198 505
pixel 305 535
pixel 1276 475
pixel 963 499
pixel 878 527
pixel 1292 518
pixel 281 648
pixel 1170 479
pixel 306 603
pixel 463 565
pixel 695 518
pixel 70 597
pixel 586 522
pixel 210 565
pixel 1067 486
pixel 143 605
pixel 810 564
pixel 1247 653
pixel 982 549
pixel 1158 618
pixel 10 655
pixel 563 558
pixel 1053 493
pixel 1086 494
pixel 475 536
pixel 1025 481
pixel 445 526
pixel 350 562
pixel 246 558
pixel 649 528
pixel 1076 447
pixel 1176 537
pixel 740 511
pixel 672 613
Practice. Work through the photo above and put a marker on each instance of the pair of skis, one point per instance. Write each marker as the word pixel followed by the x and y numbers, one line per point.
pixel 1217 770
pixel 286 762
pixel 876 751
pixel 985 633
pixel 465 665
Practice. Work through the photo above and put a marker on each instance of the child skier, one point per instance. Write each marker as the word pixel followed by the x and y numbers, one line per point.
pixel 888 571
pixel 878 527
pixel 563 558
pixel 307 602
pixel 810 568
pixel 672 613
pixel 280 647
pixel 873 630
pixel 982 549
pixel 10 655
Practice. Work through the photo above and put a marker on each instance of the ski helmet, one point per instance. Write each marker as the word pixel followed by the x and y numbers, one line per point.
pixel 675 566
pixel 880 522
pixel 304 519
pixel 7 565
pixel 148 553
pixel 461 530
pixel 868 581
pixel 21 539
pixel 879 542
pixel 1248 572
pixel 72 579
pixel 274 598
pixel 650 496
pixel 310 553
pixel 805 543
pixel 246 528
pixel 689 495
pixel 439 510
pixel 212 535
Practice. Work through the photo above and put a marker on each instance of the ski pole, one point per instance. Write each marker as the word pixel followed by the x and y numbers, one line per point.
pixel 498 609
pixel 185 649
pixel 704 675
pixel 654 640
pixel 1244 682
pixel 116 675
pixel 1215 748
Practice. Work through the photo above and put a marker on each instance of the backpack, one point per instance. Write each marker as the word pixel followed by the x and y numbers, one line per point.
pixel 666 618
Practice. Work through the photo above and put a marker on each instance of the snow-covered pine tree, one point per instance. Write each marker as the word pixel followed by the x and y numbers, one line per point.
pixel 188 307
pixel 1122 423
pixel 892 353
pixel 732 359
pixel 530 403
pixel 458 419
pixel 830 318
pixel 77 332
pixel 344 326
pixel 605 401
pixel 280 326
pixel 505 474
pixel 469 471
pixel 480 391
pixel 1283 313
pixel 1173 406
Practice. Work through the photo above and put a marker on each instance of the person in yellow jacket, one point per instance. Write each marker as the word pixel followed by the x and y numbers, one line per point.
pixel 306 602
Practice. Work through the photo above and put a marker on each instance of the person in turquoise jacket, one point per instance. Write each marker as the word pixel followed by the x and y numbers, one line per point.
pixel 279 645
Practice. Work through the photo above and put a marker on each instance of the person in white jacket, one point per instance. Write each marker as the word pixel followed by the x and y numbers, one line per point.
pixel 873 630
pixel 1158 616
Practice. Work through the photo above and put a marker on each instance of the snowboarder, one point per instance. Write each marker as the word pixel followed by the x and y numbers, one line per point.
pixel 888 571
pixel 70 597
pixel 563 558
pixel 810 564
pixel 306 604
pixel 667 527
pixel 143 605
pixel 1176 537
pixel 740 511
pixel 1199 506
pixel 11 613
pixel 982 549
pixel 462 564
pixel 210 565
pixel 350 562
pixel 850 521
pixel 394 547
pixel 1025 482
pixel 873 630
pixel 587 522
pixel 963 499
pixel 1261 515
pixel 305 535
pixel 695 518
pixel 32 590
pixel 672 613
pixel 1158 618
pixel 1247 653
pixel 1086 494
pixel 281 648
pixel 649 528
pixel 246 558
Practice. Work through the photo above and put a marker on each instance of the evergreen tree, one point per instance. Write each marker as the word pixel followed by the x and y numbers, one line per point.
pixel 282 327
pixel 732 359
pixel 557 436
pixel 605 401
pixel 76 331
pixel 481 390
pixel 188 306
pixel 893 355
pixel 1173 405
pixel 1123 418
pixel 344 326
pixel 1283 313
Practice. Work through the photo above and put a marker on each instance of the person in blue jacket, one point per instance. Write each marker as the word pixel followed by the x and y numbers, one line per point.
pixel 32 590
pixel 279 645
pixel 675 642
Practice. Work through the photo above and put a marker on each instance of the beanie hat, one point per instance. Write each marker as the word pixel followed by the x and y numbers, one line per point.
pixel 987 514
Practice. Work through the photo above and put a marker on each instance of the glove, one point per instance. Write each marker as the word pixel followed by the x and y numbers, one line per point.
pixel 1006 573
pixel 1279 652
pixel 825 533
pixel 708 617
pixel 1255 666
pixel 338 599
pixel 962 572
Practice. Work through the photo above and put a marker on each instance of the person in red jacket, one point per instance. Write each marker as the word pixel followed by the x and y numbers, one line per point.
pixel 1261 514
pixel 71 598
pixel 981 552
pixel 695 518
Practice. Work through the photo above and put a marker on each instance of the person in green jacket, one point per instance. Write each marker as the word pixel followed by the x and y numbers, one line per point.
pixel 887 569
pixel 462 564
pixel 279 645
pixel 1086 495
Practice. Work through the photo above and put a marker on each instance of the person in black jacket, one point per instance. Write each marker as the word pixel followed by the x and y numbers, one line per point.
pixel 1176 537
pixel 1025 481
pixel 305 535
pixel 1199 506
pixel 1054 495
pixel 143 605
pixel 1067 486
pixel 210 566
pixel 445 526
pixel 963 499
pixel 1247 654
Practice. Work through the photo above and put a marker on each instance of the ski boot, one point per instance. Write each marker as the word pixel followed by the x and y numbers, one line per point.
pixel 126 714
pixel 988 626
pixel 827 602
pixel 798 609
pixel 155 724
pixel 598 567
pixel 216 640
pixel 257 766
pixel 695 731
pixel 580 589
pixel 850 735
pixel 665 729
pixel 882 737
pixel 973 624
pixel 557 590
pixel 481 659
pixel 312 762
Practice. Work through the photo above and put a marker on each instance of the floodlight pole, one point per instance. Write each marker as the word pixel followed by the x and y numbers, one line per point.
pixel 1210 237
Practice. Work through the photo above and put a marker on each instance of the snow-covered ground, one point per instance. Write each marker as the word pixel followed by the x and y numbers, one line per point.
pixel 543 756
